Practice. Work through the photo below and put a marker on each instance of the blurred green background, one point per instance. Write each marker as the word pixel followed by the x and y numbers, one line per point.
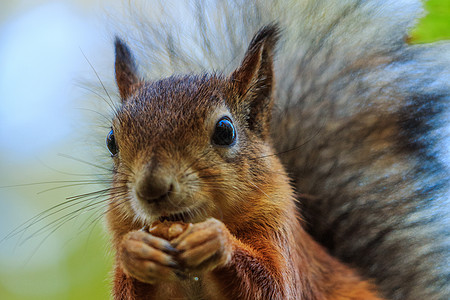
pixel 75 261
pixel 435 25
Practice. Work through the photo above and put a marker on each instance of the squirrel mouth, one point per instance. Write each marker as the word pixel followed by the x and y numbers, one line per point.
pixel 178 217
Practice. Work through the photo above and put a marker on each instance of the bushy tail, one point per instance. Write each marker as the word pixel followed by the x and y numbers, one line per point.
pixel 360 120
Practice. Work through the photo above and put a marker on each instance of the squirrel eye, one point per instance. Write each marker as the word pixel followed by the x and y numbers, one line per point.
pixel 111 143
pixel 224 133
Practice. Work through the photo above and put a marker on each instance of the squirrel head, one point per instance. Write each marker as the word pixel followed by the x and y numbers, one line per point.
pixel 195 146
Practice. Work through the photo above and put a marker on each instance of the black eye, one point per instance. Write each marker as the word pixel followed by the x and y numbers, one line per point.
pixel 224 133
pixel 111 143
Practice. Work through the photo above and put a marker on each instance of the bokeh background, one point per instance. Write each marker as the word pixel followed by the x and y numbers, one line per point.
pixel 52 125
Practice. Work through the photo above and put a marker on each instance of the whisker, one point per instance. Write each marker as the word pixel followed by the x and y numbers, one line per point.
pixel 107 118
pixel 71 185
pixel 294 148
pixel 83 86
pixel 71 174
pixel 83 161
pixel 114 206
pixel 71 201
pixel 97 218
pixel 262 191
pixel 111 105
pixel 93 193
pixel 194 161
pixel 64 219
pixel 53 182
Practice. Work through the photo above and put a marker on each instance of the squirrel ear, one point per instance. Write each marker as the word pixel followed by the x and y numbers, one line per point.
pixel 125 68
pixel 253 80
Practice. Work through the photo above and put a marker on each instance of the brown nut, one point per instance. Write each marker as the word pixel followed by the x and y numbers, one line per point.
pixel 167 230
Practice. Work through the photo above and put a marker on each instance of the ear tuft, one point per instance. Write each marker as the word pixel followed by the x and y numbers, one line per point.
pixel 258 58
pixel 268 35
pixel 253 80
pixel 125 68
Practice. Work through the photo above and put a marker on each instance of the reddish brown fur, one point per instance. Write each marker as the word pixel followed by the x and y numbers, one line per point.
pixel 265 253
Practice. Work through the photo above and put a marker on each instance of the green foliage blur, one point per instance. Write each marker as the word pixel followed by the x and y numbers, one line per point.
pixel 84 272
pixel 435 25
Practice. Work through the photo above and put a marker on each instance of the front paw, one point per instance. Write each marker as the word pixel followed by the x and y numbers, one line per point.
pixel 204 246
pixel 147 257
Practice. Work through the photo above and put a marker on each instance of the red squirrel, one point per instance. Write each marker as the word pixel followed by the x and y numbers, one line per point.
pixel 196 168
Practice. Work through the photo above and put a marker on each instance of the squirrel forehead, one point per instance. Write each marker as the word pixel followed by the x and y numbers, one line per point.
pixel 188 96
pixel 175 104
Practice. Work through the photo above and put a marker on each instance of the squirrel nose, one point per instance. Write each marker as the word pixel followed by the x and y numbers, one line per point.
pixel 153 188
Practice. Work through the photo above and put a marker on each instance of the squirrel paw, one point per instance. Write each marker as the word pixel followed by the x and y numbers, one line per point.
pixel 204 246
pixel 147 258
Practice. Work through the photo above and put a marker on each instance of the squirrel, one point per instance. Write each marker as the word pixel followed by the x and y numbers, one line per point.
pixel 197 149
pixel 315 172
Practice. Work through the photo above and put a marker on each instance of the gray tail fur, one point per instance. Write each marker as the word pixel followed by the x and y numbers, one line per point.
pixel 360 122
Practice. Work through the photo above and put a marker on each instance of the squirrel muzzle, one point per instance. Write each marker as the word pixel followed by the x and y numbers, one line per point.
pixel 154 186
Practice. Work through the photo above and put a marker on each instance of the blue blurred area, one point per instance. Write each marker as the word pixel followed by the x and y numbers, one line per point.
pixel 42 111
pixel 39 57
